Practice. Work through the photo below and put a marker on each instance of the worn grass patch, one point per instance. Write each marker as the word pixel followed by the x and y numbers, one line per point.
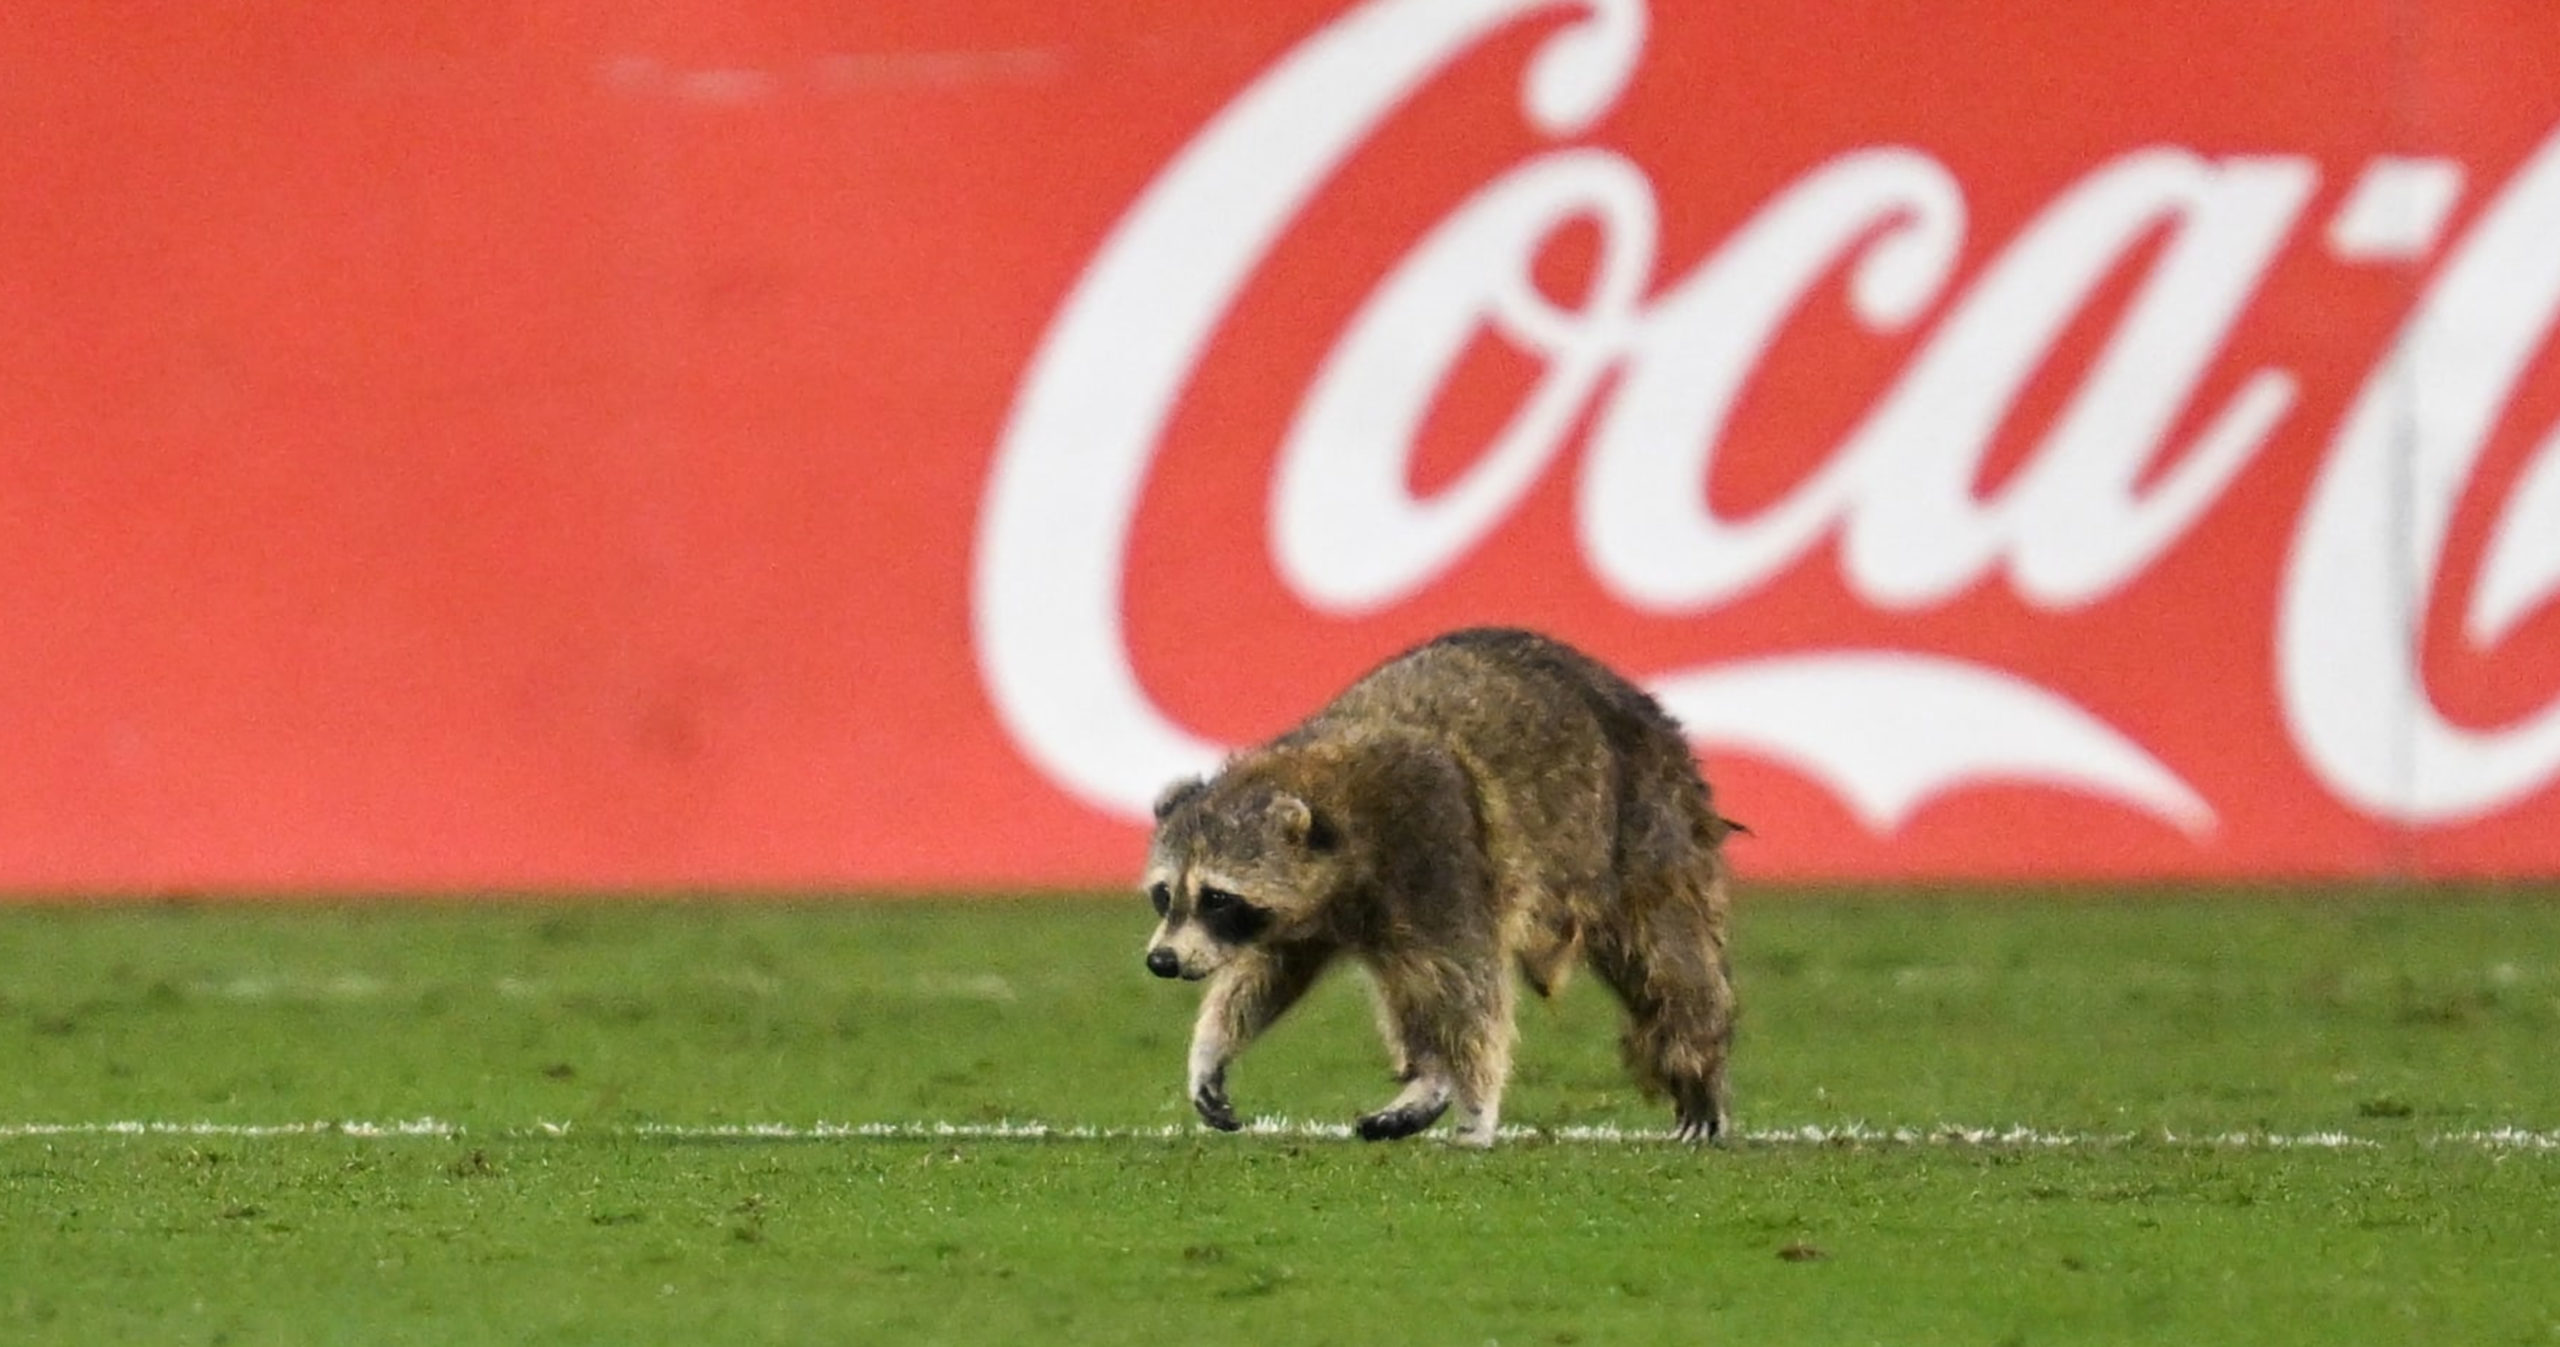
pixel 582 1059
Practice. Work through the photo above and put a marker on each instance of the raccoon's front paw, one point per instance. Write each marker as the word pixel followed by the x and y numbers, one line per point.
pixel 1210 1098
pixel 1397 1121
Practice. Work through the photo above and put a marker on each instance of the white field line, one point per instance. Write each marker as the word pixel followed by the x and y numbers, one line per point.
pixel 1813 1134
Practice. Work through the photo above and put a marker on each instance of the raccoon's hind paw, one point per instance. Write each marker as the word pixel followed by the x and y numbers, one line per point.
pixel 1211 1100
pixel 1710 1129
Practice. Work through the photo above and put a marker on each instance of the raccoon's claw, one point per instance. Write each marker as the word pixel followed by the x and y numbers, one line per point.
pixel 1395 1123
pixel 1211 1101
pixel 1709 1129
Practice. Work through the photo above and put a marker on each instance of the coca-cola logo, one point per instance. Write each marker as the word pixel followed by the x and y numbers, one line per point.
pixel 1652 360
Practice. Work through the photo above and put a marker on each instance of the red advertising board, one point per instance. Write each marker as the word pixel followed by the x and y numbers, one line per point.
pixel 448 445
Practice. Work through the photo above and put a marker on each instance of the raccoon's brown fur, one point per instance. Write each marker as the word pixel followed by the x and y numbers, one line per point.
pixel 1491 800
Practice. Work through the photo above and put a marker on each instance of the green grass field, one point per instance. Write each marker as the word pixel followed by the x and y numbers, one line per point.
pixel 2243 1119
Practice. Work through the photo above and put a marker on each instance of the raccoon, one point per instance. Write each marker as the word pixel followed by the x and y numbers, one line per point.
pixel 1488 803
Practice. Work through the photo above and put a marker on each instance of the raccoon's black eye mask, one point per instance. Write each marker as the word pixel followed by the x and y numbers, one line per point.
pixel 1229 919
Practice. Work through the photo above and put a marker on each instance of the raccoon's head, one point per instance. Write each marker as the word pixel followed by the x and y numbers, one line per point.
pixel 1236 862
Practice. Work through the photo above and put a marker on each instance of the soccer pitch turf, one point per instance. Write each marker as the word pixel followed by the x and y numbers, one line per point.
pixel 1996 1119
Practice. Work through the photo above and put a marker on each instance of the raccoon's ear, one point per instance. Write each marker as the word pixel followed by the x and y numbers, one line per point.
pixel 1174 795
pixel 1303 826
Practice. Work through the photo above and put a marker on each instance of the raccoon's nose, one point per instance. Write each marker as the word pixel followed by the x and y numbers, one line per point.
pixel 1163 964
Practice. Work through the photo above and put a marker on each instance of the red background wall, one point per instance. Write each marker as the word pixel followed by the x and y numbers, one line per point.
pixel 461 444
